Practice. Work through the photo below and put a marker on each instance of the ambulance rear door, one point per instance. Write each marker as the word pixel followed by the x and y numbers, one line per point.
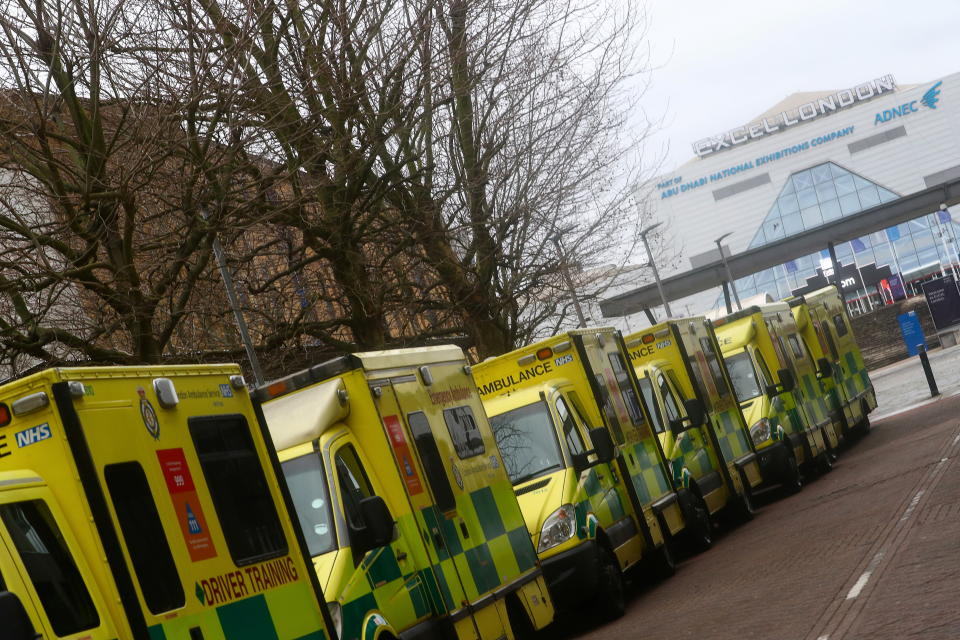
pixel 40 563
pixel 174 470
pixel 447 464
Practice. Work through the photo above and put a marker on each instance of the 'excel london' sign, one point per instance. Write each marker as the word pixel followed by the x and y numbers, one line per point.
pixel 804 113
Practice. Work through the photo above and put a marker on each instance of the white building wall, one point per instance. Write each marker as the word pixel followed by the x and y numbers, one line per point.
pixel 695 218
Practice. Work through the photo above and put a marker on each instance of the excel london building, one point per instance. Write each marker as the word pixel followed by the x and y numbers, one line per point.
pixel 811 159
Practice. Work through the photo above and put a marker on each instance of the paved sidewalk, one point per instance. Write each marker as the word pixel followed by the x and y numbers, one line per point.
pixel 902 386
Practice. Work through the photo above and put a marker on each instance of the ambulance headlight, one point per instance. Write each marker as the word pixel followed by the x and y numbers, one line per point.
pixel 558 528
pixel 760 431
pixel 336 614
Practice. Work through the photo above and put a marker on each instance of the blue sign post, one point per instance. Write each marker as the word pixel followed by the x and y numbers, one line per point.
pixel 911 331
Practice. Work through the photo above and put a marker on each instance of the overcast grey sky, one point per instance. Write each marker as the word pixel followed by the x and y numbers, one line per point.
pixel 724 63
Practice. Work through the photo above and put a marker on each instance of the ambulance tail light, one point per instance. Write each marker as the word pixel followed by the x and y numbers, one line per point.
pixel 30 403
pixel 544 354
pixel 558 528
pixel 5 416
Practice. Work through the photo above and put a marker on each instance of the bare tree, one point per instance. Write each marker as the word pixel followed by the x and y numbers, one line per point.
pixel 103 243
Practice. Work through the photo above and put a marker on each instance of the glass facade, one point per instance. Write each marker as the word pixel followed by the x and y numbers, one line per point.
pixel 825 192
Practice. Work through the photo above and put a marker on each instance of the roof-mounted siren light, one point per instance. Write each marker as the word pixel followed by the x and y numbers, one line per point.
pixel 560 347
pixel 5 417
pixel 30 403
pixel 76 388
pixel 237 382
pixel 544 353
pixel 426 375
pixel 166 392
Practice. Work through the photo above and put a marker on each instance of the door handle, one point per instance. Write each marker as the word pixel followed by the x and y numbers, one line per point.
pixel 437 538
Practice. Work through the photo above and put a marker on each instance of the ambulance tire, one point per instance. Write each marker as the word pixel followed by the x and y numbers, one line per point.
pixel 699 530
pixel 792 480
pixel 611 598
pixel 663 563
pixel 743 505
pixel 824 463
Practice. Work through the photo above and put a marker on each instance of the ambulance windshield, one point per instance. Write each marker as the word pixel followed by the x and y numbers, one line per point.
pixel 744 376
pixel 308 488
pixel 528 442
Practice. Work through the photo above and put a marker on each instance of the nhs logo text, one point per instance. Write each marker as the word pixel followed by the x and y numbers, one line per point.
pixel 33 435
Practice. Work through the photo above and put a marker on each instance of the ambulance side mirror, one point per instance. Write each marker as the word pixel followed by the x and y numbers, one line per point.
pixel 786 384
pixel 602 444
pixel 377 529
pixel 786 380
pixel 16 622
pixel 824 368
pixel 695 412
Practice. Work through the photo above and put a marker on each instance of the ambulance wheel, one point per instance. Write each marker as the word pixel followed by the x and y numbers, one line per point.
pixel 663 563
pixel 863 427
pixel 824 463
pixel 792 479
pixel 744 505
pixel 611 600
pixel 699 529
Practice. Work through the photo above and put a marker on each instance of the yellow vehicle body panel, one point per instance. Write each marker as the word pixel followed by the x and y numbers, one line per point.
pixel 774 344
pixel 134 473
pixel 677 361
pixel 849 387
pixel 407 426
pixel 572 383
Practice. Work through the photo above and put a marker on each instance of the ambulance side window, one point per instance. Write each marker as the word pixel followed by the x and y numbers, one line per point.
pixel 464 432
pixel 795 346
pixel 238 486
pixel 144 536
pixel 623 381
pixel 431 460
pixel 840 324
pixel 607 404
pixel 50 566
pixel 830 343
pixel 646 388
pixel 571 434
pixel 354 484
pixel 713 363
pixel 669 402
pixel 764 371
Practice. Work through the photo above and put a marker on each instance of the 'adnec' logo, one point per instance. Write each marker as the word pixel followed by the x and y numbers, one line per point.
pixel 932 96
pixel 928 100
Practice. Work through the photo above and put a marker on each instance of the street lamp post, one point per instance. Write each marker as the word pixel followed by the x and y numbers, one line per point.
pixel 653 265
pixel 726 267
pixel 565 270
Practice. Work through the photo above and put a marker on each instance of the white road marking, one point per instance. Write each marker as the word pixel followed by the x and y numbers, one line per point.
pixel 865 576
pixel 913 505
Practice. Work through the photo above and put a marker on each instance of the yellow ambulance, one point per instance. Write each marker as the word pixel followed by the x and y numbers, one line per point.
pixel 771 375
pixel 584 462
pixel 705 440
pixel 145 503
pixel 825 325
pixel 402 497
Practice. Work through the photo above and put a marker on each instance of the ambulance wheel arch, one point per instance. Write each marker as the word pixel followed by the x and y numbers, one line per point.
pixel 376 627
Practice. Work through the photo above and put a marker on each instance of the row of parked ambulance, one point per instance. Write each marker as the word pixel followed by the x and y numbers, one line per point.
pixel 405 494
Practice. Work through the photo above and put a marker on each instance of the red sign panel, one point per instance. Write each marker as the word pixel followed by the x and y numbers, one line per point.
pixel 401 450
pixel 186 503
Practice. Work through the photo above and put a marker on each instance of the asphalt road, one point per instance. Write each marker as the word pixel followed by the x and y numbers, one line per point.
pixel 870 550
